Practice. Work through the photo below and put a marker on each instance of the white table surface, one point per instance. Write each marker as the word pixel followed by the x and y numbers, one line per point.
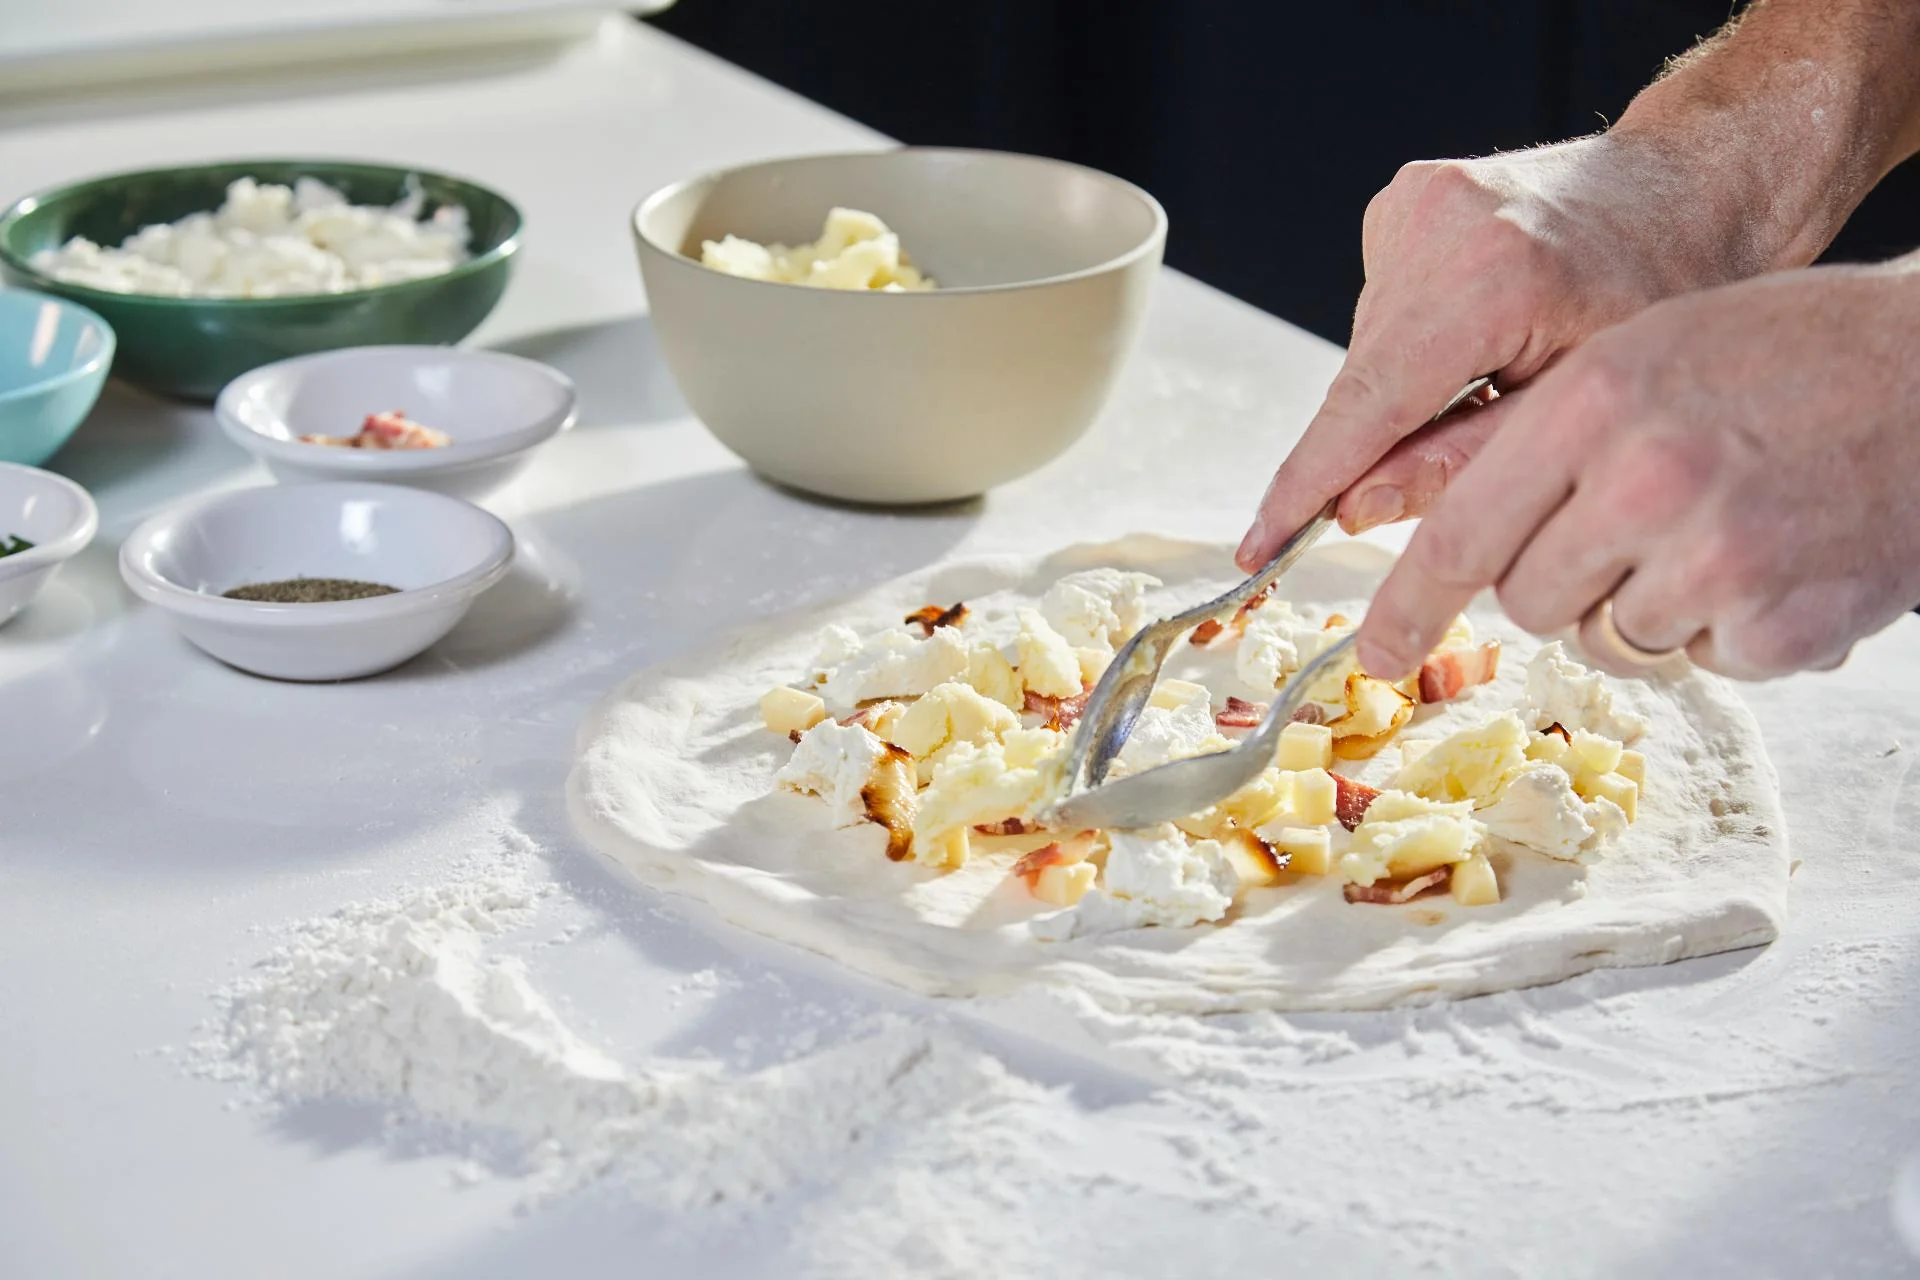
pixel 160 815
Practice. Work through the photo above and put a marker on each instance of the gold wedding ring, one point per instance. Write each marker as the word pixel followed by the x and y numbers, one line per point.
pixel 1618 647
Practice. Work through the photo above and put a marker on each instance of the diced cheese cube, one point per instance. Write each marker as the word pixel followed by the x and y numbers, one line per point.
pixel 1550 747
pixel 789 711
pixel 1309 849
pixel 1063 885
pixel 948 713
pixel 1602 755
pixel 1473 883
pixel 1620 789
pixel 1171 695
pixel 1633 767
pixel 948 850
pixel 845 227
pixel 925 727
pixel 1434 845
pixel 1414 748
pixel 1259 800
pixel 989 671
pixel 1208 824
pixel 884 718
pixel 1313 798
pixel 1306 746
pixel 1093 664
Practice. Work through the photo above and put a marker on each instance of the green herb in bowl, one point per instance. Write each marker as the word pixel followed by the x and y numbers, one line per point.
pixel 11 545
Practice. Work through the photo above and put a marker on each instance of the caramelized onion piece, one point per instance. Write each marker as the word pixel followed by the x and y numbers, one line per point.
pixel 932 616
pixel 1388 893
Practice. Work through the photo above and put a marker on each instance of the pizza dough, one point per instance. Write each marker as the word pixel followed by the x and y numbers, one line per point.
pixel 674 782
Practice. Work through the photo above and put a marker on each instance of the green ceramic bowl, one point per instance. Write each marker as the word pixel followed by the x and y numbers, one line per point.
pixel 191 347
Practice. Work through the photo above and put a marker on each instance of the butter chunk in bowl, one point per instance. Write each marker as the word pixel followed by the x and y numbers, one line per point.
pixel 907 395
pixel 855 251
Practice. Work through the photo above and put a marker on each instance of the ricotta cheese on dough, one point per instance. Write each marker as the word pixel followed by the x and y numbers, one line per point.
pixel 892 664
pixel 673 776
pixel 834 761
pixel 1539 810
pixel 1048 665
pixel 951 713
pixel 1154 877
pixel 978 784
pixel 1471 764
pixel 1098 608
pixel 1561 691
pixel 1405 835
pixel 1164 734
pixel 1276 641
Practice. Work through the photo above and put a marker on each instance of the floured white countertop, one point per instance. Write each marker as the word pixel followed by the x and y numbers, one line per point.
pixel 605 1081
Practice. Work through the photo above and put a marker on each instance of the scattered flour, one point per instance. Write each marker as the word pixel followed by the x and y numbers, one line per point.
pixel 903 1150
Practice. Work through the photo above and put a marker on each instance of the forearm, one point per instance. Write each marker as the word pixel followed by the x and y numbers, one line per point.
pixel 1790 117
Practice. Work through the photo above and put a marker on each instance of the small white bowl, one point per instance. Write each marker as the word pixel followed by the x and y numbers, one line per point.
pixel 496 407
pixel 439 551
pixel 53 513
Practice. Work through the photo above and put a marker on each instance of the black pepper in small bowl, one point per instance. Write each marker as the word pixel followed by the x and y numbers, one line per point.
pixel 309 591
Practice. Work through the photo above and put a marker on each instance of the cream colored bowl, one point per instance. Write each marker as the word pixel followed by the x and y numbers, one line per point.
pixel 1044 270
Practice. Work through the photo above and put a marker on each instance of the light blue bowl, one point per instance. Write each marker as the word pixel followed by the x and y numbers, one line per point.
pixel 54 356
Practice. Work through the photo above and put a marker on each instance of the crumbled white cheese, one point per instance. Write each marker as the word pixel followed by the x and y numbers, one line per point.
pixel 1539 809
pixel 1098 608
pixel 1403 835
pixel 1153 877
pixel 951 713
pixel 835 762
pixel 1277 641
pixel 893 664
pixel 1472 764
pixel 1561 691
pixel 984 783
pixel 1164 734
pixel 1047 663
pixel 989 672
pixel 270 241
pixel 855 251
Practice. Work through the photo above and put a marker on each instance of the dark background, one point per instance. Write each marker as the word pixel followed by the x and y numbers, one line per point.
pixel 1263 126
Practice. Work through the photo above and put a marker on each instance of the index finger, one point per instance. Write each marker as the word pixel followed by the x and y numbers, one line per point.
pixel 1471 538
pixel 1394 380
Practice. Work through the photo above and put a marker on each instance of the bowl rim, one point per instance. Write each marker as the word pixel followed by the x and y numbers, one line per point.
pixel 1147 246
pixel 44 555
pixel 42 282
pixel 98 366
pixel 373 464
pixel 488 569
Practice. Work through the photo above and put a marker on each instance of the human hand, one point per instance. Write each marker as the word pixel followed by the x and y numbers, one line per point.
pixel 1492 266
pixel 1738 469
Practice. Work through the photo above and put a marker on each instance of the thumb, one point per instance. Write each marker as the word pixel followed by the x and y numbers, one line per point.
pixel 1416 471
